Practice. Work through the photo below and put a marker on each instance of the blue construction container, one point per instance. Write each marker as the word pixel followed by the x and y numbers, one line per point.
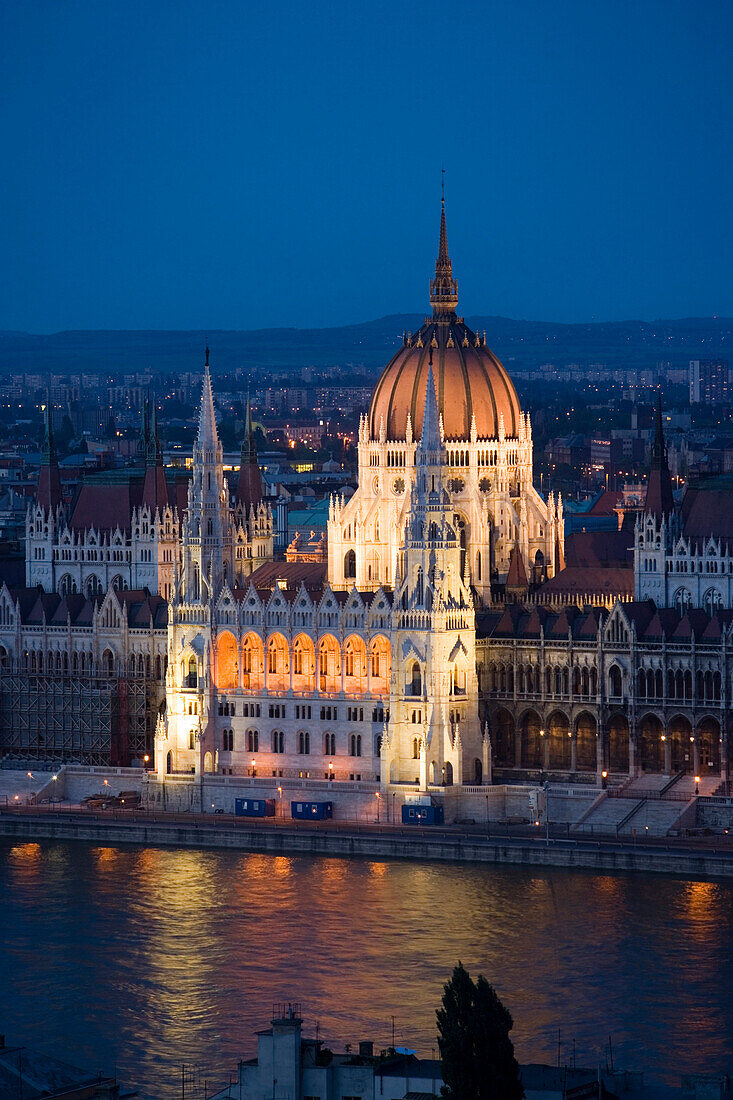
pixel 416 814
pixel 254 807
pixel 311 811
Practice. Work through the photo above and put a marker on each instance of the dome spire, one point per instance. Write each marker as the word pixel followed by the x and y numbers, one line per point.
pixel 443 288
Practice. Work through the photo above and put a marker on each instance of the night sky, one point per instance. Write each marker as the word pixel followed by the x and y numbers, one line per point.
pixel 230 164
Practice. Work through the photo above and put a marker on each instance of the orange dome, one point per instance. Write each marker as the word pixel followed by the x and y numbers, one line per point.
pixel 469 379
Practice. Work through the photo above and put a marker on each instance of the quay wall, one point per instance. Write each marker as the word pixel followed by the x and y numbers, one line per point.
pixel 340 842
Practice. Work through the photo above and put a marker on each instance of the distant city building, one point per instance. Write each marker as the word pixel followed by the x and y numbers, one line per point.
pixel 709 381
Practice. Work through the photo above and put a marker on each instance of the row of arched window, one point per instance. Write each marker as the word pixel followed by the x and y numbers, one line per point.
pixel 57 662
pixel 531 680
pixel 650 684
pixel 331 667
pixel 303 742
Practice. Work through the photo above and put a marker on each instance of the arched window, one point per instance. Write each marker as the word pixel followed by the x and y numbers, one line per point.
pixel 278 741
pixel 415 679
pixel 253 741
pixel 329 744
pixel 682 600
pixel 108 662
pixel 192 678
pixel 415 748
pixel 304 743
pixel 350 565
pixel 615 681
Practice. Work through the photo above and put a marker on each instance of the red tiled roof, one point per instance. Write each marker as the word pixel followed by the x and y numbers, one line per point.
pixel 588 548
pixel 708 512
pixel 517 575
pixel 601 580
pixel 606 503
pixel 106 506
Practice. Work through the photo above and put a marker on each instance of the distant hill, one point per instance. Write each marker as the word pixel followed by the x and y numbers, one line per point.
pixel 522 343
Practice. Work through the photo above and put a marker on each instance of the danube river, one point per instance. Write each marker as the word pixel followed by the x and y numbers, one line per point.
pixel 145 958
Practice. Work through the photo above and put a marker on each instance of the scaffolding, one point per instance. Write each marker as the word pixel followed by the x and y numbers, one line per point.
pixel 77 719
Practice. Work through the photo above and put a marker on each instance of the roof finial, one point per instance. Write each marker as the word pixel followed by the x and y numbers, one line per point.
pixel 443 289
pixel 207 355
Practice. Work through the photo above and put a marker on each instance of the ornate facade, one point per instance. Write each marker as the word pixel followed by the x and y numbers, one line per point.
pixel 393 663
pixel 637 689
pixel 683 556
pixel 486 468
pixel 123 529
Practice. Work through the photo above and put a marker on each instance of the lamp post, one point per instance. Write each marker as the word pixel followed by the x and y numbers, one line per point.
pixel 280 799
pixel 254 767
pixel 330 771
pixel 377 797
pixel 30 777
pixel 697 784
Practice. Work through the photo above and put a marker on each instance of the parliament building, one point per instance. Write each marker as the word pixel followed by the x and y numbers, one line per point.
pixel 157 623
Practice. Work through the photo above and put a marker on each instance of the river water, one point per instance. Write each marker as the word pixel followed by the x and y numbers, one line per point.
pixel 145 958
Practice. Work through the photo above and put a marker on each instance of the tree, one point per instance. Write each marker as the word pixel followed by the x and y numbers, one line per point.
pixel 476 1053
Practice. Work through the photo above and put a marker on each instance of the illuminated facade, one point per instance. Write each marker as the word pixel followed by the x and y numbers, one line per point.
pixel 486 460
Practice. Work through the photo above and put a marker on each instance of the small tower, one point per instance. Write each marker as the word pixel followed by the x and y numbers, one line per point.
pixel 48 493
pixel 206 531
pixel 659 499
pixel 249 482
pixel 434 692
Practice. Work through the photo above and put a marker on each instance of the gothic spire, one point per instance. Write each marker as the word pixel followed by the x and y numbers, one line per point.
pixel 430 439
pixel 141 450
pixel 443 288
pixel 207 435
pixel 249 483
pixel 48 492
pixel 659 499
pixel 153 452
pixel 49 446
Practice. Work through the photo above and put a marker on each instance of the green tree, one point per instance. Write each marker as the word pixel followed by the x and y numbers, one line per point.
pixel 476 1053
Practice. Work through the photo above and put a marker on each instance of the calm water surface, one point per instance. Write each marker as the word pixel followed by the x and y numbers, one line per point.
pixel 144 958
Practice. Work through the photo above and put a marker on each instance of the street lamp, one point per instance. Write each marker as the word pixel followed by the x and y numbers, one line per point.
pixel 254 767
pixel 330 771
pixel 377 797
pixel 697 784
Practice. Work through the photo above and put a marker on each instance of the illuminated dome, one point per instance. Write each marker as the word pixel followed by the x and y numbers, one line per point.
pixel 469 379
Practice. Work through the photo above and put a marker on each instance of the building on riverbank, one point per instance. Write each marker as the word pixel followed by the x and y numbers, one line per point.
pixel 429 652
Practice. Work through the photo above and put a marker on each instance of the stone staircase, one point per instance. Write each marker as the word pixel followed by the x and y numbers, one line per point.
pixel 653 817
pixel 607 815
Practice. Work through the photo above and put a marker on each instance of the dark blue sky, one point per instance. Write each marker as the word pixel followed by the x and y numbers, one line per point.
pixel 231 164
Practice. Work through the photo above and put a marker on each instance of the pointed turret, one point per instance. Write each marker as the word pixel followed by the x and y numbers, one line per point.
pixel 516 581
pixel 443 288
pixel 249 483
pixel 141 450
pixel 48 493
pixel 659 499
pixel 207 436
pixel 430 441
pixel 155 490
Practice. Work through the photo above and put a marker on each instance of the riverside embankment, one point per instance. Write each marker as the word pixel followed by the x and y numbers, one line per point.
pixel 701 861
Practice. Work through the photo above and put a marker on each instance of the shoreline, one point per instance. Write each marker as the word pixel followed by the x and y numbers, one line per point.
pixel 609 857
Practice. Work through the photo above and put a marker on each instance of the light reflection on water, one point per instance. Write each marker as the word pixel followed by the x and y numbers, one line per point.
pixel 144 958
